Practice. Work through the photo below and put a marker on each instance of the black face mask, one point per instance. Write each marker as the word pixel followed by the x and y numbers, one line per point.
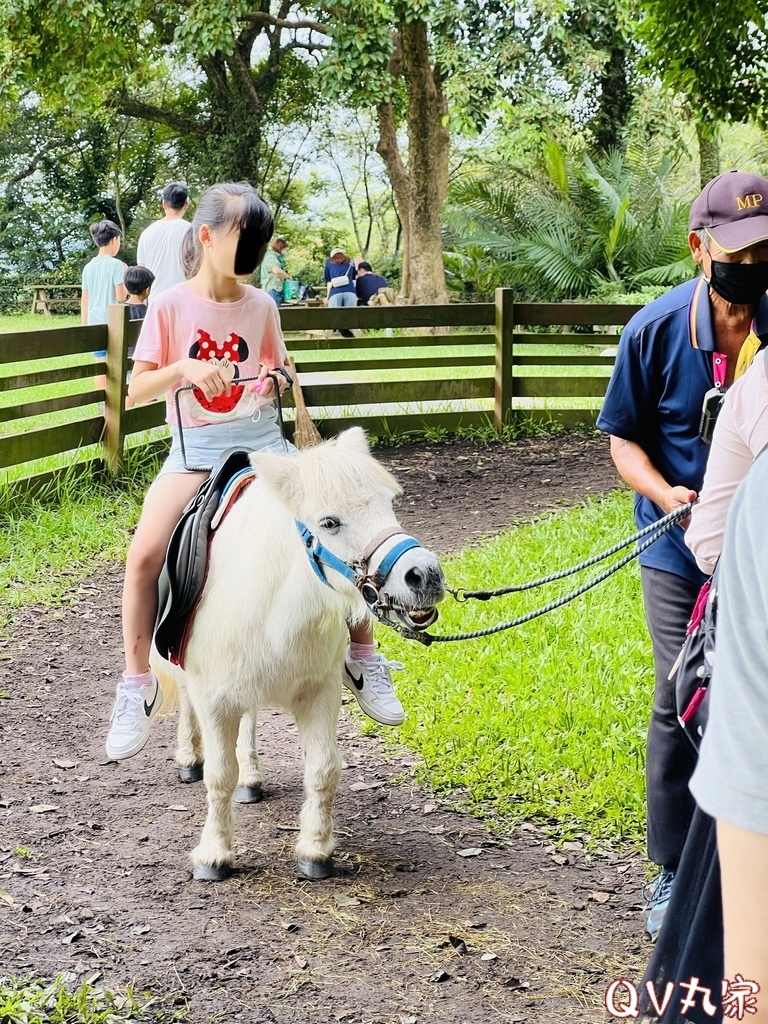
pixel 743 284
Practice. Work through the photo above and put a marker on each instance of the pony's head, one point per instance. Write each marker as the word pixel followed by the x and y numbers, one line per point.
pixel 344 497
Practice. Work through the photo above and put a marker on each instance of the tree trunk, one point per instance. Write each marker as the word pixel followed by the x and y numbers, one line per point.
pixel 389 152
pixel 232 149
pixel 428 148
pixel 709 150
pixel 615 101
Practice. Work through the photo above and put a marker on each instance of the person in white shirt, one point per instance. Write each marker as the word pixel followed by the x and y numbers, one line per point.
pixel 161 243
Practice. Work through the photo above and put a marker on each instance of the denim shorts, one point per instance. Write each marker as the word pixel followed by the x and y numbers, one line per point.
pixel 203 445
pixel 342 298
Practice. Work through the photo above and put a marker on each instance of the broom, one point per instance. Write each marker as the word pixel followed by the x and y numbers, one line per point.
pixel 305 433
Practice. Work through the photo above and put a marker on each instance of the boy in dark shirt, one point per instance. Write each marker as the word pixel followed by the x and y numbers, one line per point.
pixel 367 284
pixel 138 282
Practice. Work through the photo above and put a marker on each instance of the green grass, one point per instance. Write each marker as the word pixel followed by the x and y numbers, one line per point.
pixel 30 1001
pixel 49 544
pixel 522 425
pixel 35 321
pixel 548 720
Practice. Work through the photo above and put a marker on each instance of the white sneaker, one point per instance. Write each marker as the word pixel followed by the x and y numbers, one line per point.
pixel 131 715
pixel 370 680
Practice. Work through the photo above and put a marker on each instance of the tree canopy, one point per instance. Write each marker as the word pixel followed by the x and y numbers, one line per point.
pixel 341 114
pixel 715 58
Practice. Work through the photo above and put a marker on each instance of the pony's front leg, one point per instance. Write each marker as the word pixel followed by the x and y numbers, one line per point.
pixel 189 746
pixel 249 782
pixel 317 719
pixel 213 856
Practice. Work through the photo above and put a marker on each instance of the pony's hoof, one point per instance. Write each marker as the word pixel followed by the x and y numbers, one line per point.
pixel 211 872
pixel 248 795
pixel 316 870
pixel 192 773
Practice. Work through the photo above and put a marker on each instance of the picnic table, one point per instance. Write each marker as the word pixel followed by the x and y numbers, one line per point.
pixel 44 296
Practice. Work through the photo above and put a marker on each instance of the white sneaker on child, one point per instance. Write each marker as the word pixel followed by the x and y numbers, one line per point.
pixel 134 708
pixel 370 680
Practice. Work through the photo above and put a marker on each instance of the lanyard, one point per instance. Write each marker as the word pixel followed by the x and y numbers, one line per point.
pixel 720 369
pixel 747 353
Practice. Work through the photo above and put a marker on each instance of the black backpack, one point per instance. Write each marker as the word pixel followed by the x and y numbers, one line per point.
pixel 692 671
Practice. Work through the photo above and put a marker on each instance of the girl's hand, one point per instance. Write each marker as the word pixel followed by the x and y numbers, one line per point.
pixel 208 377
pixel 265 386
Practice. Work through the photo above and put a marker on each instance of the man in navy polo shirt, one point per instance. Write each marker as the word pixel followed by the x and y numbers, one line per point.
pixel 367 284
pixel 699 336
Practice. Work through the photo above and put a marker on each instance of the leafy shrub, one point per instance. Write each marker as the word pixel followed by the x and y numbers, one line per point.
pixel 570 229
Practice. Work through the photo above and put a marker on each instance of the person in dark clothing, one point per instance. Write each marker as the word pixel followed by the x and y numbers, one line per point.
pixel 674 356
pixel 367 284
pixel 340 274
pixel 138 282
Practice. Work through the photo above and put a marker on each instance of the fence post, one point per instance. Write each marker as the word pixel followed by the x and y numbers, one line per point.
pixel 505 323
pixel 114 405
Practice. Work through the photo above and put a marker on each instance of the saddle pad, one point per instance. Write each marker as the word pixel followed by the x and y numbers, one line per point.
pixel 186 561
pixel 231 493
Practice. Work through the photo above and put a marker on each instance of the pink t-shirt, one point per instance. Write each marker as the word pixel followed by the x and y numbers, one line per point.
pixel 740 435
pixel 237 335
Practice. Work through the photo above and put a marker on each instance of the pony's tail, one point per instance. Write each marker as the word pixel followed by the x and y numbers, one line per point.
pixel 165 674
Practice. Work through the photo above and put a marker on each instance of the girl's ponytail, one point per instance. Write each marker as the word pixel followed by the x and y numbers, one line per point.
pixel 191 254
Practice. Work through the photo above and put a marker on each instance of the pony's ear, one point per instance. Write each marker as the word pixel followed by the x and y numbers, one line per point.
pixel 279 473
pixel 354 441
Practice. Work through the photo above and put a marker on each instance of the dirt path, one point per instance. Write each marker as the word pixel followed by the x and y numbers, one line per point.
pixel 93 868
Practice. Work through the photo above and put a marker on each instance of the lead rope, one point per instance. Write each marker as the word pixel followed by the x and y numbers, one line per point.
pixel 461 595
pixel 660 527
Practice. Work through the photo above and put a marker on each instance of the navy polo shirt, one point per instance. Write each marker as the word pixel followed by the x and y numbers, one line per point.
pixel 654 398
pixel 367 286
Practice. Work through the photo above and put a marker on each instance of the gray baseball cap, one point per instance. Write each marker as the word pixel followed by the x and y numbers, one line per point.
pixel 733 207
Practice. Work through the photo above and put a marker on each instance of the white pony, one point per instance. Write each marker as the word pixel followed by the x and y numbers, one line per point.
pixel 270 632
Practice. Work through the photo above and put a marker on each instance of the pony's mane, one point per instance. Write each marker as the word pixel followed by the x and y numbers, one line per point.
pixel 353 472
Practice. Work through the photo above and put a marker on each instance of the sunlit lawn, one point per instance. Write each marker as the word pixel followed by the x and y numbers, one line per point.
pixel 548 720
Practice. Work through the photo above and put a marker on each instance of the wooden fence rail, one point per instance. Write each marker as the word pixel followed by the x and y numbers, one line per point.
pixel 448 366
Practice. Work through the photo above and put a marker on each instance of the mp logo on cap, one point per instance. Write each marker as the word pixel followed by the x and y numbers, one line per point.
pixel 753 200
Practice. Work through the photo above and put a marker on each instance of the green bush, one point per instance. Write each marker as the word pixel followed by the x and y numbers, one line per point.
pixel 575 227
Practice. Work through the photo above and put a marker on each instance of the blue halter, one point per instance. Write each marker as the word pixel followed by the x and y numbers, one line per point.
pixel 321 558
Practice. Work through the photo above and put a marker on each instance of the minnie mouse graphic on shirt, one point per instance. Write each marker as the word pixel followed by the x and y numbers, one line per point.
pixel 226 355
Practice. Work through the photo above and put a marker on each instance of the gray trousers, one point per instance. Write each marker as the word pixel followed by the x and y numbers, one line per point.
pixel 670 757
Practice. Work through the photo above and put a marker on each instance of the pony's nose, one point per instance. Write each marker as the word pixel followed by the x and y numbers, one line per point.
pixel 415 578
pixel 424 580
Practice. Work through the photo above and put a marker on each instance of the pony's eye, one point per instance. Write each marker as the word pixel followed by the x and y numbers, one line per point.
pixel 331 524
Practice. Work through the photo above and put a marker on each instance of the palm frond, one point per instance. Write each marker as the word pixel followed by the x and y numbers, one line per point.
pixel 570 226
pixel 556 164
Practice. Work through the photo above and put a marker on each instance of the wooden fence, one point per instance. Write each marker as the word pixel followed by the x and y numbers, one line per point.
pixel 448 366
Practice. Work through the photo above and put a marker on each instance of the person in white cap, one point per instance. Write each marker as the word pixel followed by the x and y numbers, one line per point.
pixel 340 276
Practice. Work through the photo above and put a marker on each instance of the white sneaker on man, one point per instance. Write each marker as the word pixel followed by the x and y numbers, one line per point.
pixel 370 680
pixel 135 707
